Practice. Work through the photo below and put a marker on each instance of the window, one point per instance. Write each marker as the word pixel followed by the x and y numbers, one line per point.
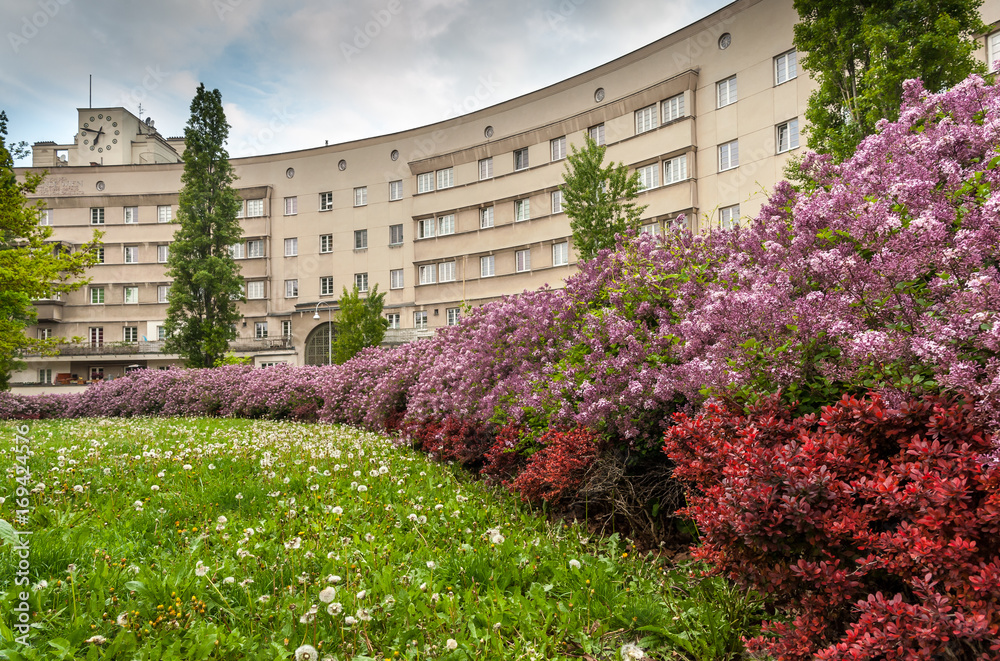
pixel 291 206
pixel 163 213
pixel 325 243
pixel 395 190
pixel 453 315
pixel 992 51
pixel 558 148
pixel 729 217
pixel 645 119
pixel 486 168
pixel 291 288
pixel 291 247
pixel 649 176
pixel 162 291
pixel 131 215
pixel 522 210
pixel 486 217
pixel 729 155
pixel 785 67
pixel 360 239
pixel 255 248
pixel 286 328
pixel 673 108
pixel 96 336
pixel 255 208
pixel 361 281
pixel 522 260
pixel 650 229
pixel 100 255
pixel 560 253
pixel 361 196
pixel 420 320
pixel 45 376
pixel 446 225
pixel 131 295
pixel 597 134
pixel 788 135
pixel 241 211
pixel 396 279
pixel 326 285
pixel 445 178
pixel 97 215
pixel 425 182
pixel 45 218
pixel 255 289
pixel 395 235
pixel 428 274
pixel 393 319
pixel 557 201
pixel 326 201
pixel 725 92
pixel 425 228
pixel 236 251
pixel 44 333
pixel 161 334
pixel 486 266
pixel 260 329
pixel 520 159
pixel 96 373
pixel 131 254
pixel 446 272
pixel 162 253
pixel 96 295
pixel 675 169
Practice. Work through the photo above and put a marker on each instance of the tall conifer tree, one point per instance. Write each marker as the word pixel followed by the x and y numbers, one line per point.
pixel 202 310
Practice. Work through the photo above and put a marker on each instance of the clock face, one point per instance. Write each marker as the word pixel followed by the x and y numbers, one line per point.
pixel 96 132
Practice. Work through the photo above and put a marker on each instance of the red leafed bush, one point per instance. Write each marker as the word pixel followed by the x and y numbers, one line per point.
pixel 556 470
pixel 875 531
pixel 503 459
pixel 454 438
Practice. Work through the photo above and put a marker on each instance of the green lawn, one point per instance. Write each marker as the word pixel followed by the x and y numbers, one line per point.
pixel 235 539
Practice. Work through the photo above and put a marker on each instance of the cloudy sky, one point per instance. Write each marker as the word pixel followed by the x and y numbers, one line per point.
pixel 297 73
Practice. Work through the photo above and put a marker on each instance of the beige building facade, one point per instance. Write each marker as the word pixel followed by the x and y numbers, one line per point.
pixel 439 217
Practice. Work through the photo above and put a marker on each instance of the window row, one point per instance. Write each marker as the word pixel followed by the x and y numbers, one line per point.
pixel 130 215
pixel 130 294
pixel 674 169
pixel 452 317
pixel 671 109
pixel 786 138
pixel 785 69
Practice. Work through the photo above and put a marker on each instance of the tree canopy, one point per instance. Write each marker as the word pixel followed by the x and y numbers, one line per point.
pixel 360 323
pixel 598 200
pixel 32 267
pixel 861 52
pixel 202 310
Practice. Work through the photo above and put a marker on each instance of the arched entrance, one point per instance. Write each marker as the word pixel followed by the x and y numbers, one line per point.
pixel 318 344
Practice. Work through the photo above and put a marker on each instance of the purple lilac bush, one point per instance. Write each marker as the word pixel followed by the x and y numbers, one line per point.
pixel 881 274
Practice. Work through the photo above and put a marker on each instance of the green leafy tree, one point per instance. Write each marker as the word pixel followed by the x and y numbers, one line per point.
pixel 360 323
pixel 598 200
pixel 31 266
pixel 202 312
pixel 860 53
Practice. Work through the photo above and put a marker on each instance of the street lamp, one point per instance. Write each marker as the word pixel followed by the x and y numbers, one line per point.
pixel 329 360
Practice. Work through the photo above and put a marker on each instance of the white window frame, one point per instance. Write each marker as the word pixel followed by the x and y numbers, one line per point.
pixel 675 169
pixel 396 234
pixel 162 253
pixel 260 330
pixel 292 288
pixel 361 196
pixel 560 253
pixel 445 178
pixel 557 201
pixel 396 279
pixel 427 274
pixel 597 134
pixel 286 328
pixel 45 218
pixel 326 201
pixel 292 205
pixel 162 293
pixel 393 319
pixel 130 215
pixel 522 210
pixel 255 249
pixel 325 243
pixel 522 260
pixel 420 320
pixel 361 282
pixel 130 296
pixel 557 148
pixel 130 254
pixel 361 239
pixel 787 132
pixel 395 190
pixel 486 168
pixel 645 119
pixel 726 92
pixel 255 208
pixel 96 215
pixel 729 217
pixel 164 213
pixel 485 218
pixel 729 155
pixel 649 176
pixel 292 246
pixel 487 266
pixel 236 251
pixel 97 296
pixel 446 271
pixel 161 334
pixel 255 290
pixel 100 254
pixel 426 227
pixel 326 285
pixel 521 161
pixel 673 108
pixel 786 67
pixel 453 316
pixel 446 224
pixel 425 183
pixel 130 333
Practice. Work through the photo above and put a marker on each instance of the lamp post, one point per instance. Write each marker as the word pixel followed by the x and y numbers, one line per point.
pixel 329 309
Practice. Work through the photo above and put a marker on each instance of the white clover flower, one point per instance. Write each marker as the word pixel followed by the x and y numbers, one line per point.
pixel 575 564
pixel 362 488
pixel 239 496
pixel 161 474
pixel 186 467
pixel 451 644
pixel 333 578
pixel 78 488
pixel 155 487
pixel 228 579
pixel 369 537
pixel 349 621
pixel 211 467
pixel 327 594
pixel 412 517
pixel 295 543
pixel 306 653
pixel 431 564
pixel 439 507
pixel 362 594
pixel 223 520
pixel 338 510
pixel 357 473
pixel 632 652
pixel 200 569
pixel 335 608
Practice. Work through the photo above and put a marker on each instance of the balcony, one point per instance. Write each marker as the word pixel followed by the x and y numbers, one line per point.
pixel 240 345
pixel 49 310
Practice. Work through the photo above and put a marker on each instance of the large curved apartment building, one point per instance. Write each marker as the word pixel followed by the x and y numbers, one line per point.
pixel 452 214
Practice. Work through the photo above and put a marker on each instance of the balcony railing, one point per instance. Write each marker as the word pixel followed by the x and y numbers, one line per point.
pixel 239 345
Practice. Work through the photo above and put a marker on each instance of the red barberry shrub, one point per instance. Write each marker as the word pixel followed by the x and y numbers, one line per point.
pixel 504 458
pixel 454 439
pixel 876 532
pixel 557 469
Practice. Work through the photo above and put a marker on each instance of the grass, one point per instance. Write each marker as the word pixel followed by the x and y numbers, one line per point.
pixel 235 539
